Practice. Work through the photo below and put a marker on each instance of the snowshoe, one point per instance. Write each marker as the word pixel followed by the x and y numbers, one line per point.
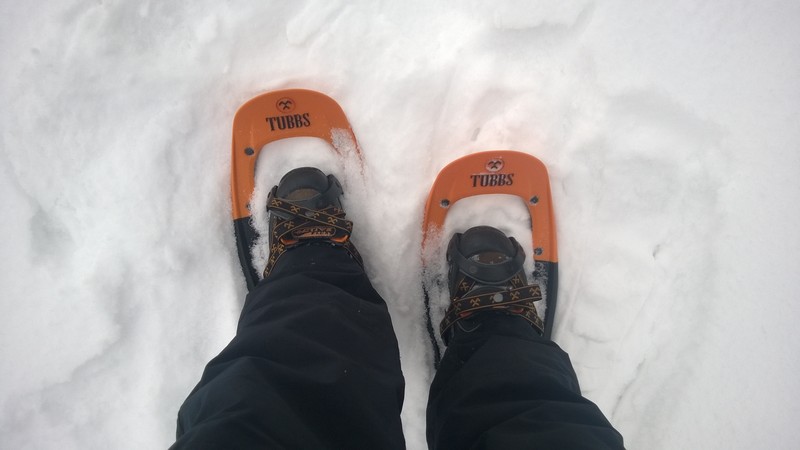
pixel 267 118
pixel 493 172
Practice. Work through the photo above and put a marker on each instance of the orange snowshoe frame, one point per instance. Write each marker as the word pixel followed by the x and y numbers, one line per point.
pixel 267 118
pixel 499 172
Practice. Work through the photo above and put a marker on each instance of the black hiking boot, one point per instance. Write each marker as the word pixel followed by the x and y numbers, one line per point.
pixel 486 276
pixel 305 208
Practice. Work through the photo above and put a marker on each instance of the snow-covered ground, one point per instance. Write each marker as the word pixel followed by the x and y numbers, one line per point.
pixel 670 129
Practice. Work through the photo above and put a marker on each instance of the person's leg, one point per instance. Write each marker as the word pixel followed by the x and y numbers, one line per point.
pixel 504 386
pixel 314 364
pixel 500 383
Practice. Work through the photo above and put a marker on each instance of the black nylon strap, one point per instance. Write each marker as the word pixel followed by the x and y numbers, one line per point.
pixel 297 225
pixel 330 216
pixel 518 300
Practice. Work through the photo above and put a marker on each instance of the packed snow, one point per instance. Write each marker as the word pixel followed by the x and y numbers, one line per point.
pixel 670 130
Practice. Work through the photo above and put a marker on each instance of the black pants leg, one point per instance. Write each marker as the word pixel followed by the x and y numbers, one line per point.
pixel 314 364
pixel 502 386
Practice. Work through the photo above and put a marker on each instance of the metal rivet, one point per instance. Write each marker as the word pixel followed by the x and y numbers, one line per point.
pixel 534 200
pixel 249 151
pixel 497 298
pixel 538 251
pixel 444 203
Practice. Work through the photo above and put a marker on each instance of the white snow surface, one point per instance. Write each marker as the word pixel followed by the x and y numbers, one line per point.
pixel 670 130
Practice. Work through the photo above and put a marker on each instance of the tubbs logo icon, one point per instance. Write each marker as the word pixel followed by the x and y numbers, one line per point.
pixel 494 165
pixel 287 121
pixel 492 178
pixel 285 105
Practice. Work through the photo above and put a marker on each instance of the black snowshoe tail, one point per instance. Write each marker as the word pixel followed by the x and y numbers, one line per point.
pixel 267 118
pixel 498 172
